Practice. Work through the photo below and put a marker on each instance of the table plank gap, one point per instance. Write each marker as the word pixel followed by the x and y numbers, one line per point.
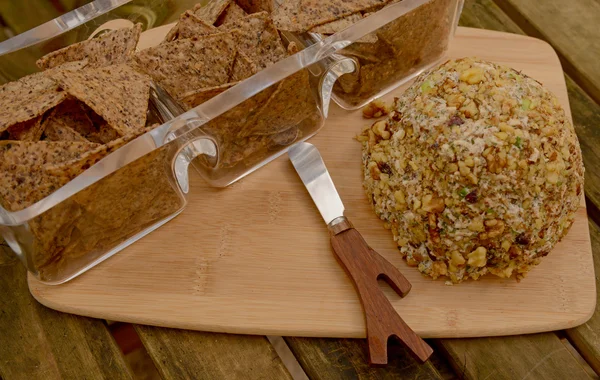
pixel 323 358
pixel 183 354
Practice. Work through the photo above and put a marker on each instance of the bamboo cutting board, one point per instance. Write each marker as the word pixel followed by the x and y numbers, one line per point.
pixel 255 258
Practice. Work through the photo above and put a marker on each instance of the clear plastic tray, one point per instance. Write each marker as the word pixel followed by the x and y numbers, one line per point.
pixel 143 185
pixel 397 52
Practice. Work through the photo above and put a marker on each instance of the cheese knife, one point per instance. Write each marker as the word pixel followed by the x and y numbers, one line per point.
pixel 363 265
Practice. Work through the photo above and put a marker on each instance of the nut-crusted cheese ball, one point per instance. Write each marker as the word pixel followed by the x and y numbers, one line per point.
pixel 477 170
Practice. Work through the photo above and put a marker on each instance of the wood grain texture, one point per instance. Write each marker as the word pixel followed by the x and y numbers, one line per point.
pixel 539 356
pixel 255 257
pixel 180 354
pixel 364 267
pixel 571 27
pixel 39 343
pixel 343 359
pixel 586 338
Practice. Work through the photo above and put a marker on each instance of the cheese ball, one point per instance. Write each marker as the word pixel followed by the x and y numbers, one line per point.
pixel 476 170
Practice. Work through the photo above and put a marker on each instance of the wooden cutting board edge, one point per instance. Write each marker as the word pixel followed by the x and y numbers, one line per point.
pixel 44 294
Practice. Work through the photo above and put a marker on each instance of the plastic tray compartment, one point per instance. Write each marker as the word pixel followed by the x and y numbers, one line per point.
pixel 144 184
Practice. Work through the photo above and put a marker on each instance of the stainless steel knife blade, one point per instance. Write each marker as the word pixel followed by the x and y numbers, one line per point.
pixel 310 167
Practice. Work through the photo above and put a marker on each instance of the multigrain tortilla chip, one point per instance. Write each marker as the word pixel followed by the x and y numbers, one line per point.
pixel 254 6
pixel 22 185
pixel 111 48
pixel 337 25
pixel 195 98
pixel 226 127
pixel 186 65
pixel 232 13
pixel 75 115
pixel 30 130
pixel 104 134
pixel 190 26
pixel 41 153
pixel 289 104
pixel 211 11
pixel 25 180
pixel 56 130
pixel 117 93
pixel 77 165
pixel 303 15
pixel 243 68
pixel 257 37
pixel 27 98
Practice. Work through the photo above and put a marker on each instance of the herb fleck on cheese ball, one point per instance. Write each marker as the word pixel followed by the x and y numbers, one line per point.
pixel 476 170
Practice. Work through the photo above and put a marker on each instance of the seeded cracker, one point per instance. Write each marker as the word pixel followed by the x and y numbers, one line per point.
pixel 30 130
pixel 337 25
pixel 73 114
pixel 195 98
pixel 117 46
pixel 27 98
pixel 189 26
pixel 25 180
pixel 254 6
pixel 186 65
pixel 56 130
pixel 72 168
pixel 257 37
pixel 232 13
pixel 303 15
pixel 288 105
pixel 210 12
pixel 243 68
pixel 117 93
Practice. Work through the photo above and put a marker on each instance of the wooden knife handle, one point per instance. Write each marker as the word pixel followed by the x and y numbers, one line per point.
pixel 365 267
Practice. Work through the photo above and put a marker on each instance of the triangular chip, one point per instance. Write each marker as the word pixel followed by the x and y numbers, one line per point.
pixel 289 104
pixel 24 179
pixel 210 12
pixel 243 68
pixel 186 65
pixel 22 185
pixel 27 98
pixel 103 135
pixel 111 48
pixel 303 15
pixel 337 25
pixel 117 93
pixel 74 167
pixel 232 13
pixel 41 153
pixel 257 37
pixel 56 130
pixel 190 26
pixel 195 98
pixel 74 114
pixel 254 6
pixel 30 130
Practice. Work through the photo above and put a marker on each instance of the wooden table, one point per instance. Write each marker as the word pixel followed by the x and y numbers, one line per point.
pixel 39 343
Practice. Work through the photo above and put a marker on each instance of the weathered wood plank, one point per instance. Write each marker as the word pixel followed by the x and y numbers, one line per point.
pixel 347 359
pixel 39 343
pixel 571 27
pixel 181 354
pixel 539 356
pixel 586 338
